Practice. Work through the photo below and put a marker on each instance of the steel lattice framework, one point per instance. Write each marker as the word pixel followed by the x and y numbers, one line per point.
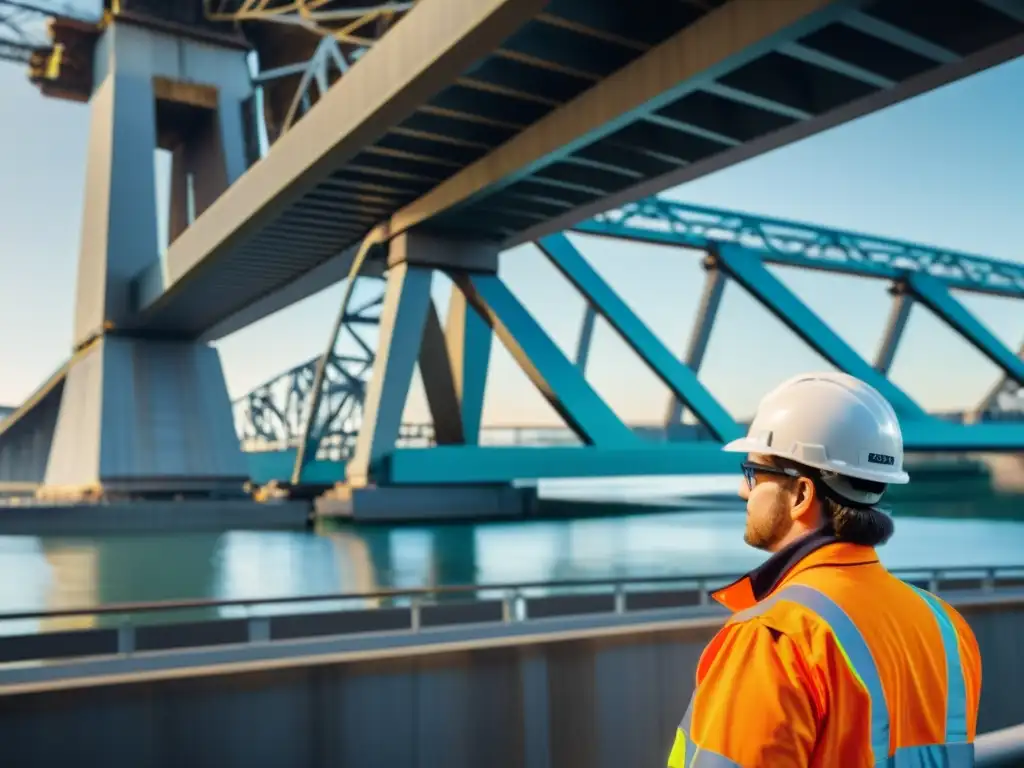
pixel 271 416
pixel 23 37
pixel 1005 400
pixel 810 246
pixel 315 43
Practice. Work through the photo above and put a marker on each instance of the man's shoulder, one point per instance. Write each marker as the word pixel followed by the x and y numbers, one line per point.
pixel 965 634
pixel 818 602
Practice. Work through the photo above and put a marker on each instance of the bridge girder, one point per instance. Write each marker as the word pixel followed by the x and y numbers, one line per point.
pixel 735 246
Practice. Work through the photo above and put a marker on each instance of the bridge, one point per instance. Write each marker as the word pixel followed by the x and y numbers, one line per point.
pixel 385 145
pixel 510 675
pixel 369 147
pixel 271 419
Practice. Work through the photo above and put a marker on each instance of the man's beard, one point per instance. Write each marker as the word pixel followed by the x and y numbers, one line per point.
pixel 766 532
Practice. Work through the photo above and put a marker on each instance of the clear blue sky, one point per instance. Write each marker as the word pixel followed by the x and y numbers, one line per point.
pixel 945 168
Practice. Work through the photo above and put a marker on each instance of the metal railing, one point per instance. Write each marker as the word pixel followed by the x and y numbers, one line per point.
pixel 127 628
pixel 1000 749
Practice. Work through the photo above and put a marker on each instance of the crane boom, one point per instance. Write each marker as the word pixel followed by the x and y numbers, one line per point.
pixel 48 37
pixel 26 35
pixel 302 46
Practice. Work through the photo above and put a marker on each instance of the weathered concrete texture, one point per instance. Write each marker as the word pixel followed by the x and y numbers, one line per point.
pixel 142 414
pixel 39 519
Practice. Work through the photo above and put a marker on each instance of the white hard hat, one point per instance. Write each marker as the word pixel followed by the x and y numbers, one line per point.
pixel 835 423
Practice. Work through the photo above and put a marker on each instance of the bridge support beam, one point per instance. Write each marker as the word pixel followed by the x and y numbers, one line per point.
pixel 453 361
pixel 469 341
pixel 402 322
pixel 902 303
pixel 387 482
pixel 751 273
pixel 707 312
pixel 679 378
pixel 140 415
pixel 939 300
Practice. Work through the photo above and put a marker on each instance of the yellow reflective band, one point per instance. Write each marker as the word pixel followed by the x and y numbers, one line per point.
pixel 677 757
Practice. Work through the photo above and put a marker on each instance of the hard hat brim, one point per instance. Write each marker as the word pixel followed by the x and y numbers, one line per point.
pixel 746 445
pixel 754 445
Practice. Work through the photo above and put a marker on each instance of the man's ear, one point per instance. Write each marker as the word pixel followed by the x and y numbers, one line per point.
pixel 805 495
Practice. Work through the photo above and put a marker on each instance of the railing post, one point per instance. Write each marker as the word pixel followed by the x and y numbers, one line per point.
pixel 125 637
pixel 620 598
pixel 414 614
pixel 258 626
pixel 702 592
pixel 988 584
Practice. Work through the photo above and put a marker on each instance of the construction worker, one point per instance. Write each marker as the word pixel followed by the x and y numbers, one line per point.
pixel 828 659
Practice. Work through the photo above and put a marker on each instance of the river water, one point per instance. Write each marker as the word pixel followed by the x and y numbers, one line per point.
pixel 42 573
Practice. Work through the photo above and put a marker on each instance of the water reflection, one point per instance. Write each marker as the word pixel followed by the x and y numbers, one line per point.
pixel 66 572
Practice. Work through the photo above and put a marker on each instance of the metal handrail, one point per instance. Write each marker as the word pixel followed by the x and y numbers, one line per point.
pixel 1000 749
pixel 934 576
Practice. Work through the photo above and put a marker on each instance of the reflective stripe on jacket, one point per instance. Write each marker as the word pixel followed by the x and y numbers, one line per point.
pixel 839 665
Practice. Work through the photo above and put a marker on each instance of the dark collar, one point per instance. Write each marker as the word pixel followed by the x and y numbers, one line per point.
pixel 767 576
pixel 756 585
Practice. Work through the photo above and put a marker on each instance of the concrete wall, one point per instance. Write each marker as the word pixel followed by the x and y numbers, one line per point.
pixel 596 698
pixel 25 447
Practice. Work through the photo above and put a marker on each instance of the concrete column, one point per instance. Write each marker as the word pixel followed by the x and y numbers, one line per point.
pixel 138 414
pixel 143 416
pixel 452 361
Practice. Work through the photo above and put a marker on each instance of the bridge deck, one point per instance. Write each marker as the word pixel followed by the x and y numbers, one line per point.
pixel 509 119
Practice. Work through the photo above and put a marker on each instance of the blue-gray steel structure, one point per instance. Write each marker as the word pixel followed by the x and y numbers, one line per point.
pixel 735 246
pixel 20 38
pixel 512 119
pixel 471 125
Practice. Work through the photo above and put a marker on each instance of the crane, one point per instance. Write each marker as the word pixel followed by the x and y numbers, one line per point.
pixel 31 34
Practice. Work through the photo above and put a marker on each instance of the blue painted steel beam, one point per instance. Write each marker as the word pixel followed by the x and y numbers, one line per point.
pixel 268 466
pixel 681 380
pixel 937 298
pixel 469 350
pixel 823 60
pixel 558 380
pixel 403 318
pixel 874 27
pixel 586 337
pixel 746 268
pixel 447 465
pixel 810 246
pixel 744 33
pixel 937 435
pixel 1012 8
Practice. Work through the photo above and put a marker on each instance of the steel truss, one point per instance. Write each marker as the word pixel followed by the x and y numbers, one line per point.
pixel 736 247
pixel 272 416
pixel 337 33
pixel 919 274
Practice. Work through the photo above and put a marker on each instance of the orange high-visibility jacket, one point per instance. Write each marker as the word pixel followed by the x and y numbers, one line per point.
pixel 830 661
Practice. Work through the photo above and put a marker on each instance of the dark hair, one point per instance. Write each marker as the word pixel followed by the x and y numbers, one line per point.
pixel 856 524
